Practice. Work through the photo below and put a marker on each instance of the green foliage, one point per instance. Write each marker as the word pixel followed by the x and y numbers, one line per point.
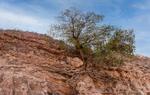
pixel 116 46
pixel 122 41
pixel 109 59
pixel 84 32
pixel 62 45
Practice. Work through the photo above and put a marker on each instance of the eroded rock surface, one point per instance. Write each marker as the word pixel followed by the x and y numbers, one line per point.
pixel 24 62
pixel 75 62
pixel 86 86
pixel 34 64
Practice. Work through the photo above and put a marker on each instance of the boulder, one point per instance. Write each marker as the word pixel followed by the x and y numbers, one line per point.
pixel 86 86
pixel 75 62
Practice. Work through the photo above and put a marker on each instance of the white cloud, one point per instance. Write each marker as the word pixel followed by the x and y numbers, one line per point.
pixel 12 17
pixel 18 17
pixel 143 5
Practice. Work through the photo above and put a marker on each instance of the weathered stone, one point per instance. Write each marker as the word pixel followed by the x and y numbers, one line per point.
pixel 75 62
pixel 32 64
pixel 86 86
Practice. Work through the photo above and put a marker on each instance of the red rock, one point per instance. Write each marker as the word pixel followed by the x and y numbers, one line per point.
pixel 34 64
pixel 75 62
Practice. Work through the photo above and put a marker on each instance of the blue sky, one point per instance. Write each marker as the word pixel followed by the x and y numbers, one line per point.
pixel 38 15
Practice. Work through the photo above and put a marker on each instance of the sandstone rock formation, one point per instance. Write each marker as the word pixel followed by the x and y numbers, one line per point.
pixel 86 86
pixel 35 64
pixel 75 62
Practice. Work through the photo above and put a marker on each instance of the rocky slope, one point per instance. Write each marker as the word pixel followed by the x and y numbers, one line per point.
pixel 34 64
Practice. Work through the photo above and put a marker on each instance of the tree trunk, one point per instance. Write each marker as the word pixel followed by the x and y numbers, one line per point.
pixel 79 49
pixel 83 58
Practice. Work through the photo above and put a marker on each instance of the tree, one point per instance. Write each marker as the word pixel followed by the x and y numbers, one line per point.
pixel 84 32
pixel 78 28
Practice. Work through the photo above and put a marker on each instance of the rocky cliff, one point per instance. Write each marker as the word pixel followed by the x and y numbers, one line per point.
pixel 35 64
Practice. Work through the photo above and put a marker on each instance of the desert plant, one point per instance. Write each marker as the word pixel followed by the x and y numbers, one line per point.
pixel 78 28
pixel 84 32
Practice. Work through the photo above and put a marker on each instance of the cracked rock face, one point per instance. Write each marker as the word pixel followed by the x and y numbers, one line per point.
pixel 86 86
pixel 22 65
pixel 34 64
pixel 75 62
